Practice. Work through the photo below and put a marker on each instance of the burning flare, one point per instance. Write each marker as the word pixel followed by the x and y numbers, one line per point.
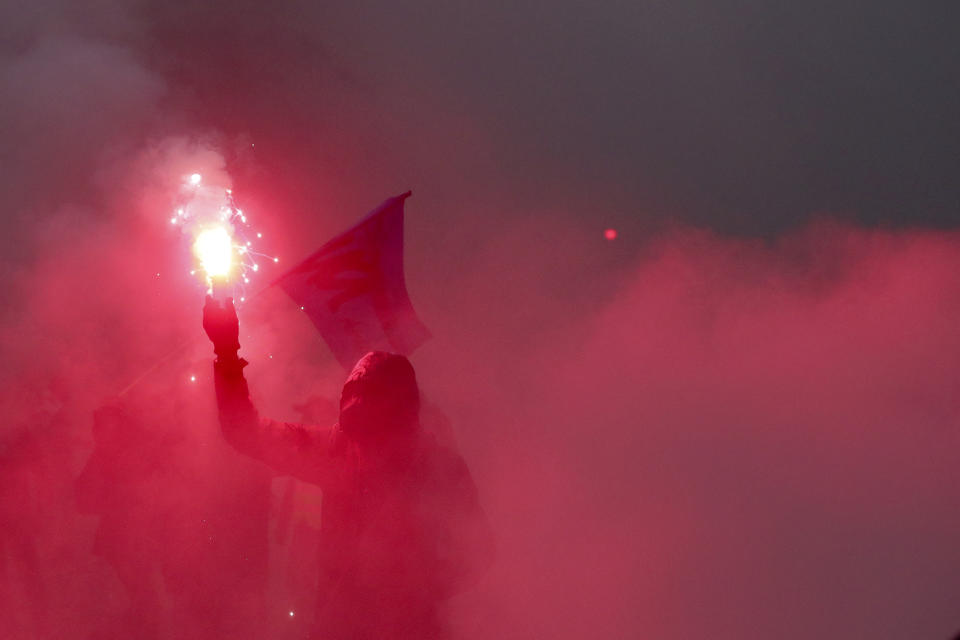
pixel 214 248
pixel 220 234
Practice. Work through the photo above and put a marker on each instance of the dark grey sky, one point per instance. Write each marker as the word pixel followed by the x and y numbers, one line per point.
pixel 741 116
pixel 745 116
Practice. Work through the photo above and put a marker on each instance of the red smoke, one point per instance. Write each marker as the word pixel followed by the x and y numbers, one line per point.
pixel 748 440
pixel 741 438
pixel 694 434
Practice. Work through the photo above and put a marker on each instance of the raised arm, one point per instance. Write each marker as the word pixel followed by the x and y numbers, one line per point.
pixel 301 451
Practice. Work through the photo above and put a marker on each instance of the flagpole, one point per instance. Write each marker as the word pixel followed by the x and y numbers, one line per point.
pixel 183 345
pixel 180 347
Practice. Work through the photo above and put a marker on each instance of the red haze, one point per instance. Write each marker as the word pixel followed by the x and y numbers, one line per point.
pixel 702 435
pixel 737 438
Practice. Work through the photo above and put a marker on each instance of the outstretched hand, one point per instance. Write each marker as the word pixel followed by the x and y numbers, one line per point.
pixel 222 326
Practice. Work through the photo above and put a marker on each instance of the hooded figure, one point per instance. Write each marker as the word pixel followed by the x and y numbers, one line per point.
pixel 401 524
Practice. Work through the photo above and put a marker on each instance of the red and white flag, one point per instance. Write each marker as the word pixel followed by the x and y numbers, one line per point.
pixel 353 288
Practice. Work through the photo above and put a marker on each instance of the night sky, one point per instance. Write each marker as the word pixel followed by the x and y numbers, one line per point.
pixel 735 419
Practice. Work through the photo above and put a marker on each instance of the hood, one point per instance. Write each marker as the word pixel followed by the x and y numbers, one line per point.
pixel 381 393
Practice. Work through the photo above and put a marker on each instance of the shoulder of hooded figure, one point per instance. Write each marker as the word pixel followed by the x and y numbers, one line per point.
pixel 435 421
pixel 445 471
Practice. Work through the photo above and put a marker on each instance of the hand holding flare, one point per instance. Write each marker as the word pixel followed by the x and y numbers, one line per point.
pixel 222 327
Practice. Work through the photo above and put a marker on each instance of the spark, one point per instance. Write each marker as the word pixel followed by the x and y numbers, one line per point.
pixel 193 378
pixel 610 234
pixel 291 614
pixel 195 179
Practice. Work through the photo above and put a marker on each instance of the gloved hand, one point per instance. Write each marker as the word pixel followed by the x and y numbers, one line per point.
pixel 222 327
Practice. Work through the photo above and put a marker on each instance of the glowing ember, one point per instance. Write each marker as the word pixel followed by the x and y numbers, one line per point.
pixel 195 179
pixel 214 248
pixel 610 234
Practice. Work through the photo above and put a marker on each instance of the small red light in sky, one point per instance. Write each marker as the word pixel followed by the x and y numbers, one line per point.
pixel 610 234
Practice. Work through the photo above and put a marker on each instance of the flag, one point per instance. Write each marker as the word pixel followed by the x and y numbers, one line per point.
pixel 353 288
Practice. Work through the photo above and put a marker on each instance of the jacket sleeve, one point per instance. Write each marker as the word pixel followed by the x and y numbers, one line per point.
pixel 301 451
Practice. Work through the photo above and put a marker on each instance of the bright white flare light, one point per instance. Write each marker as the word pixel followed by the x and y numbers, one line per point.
pixel 214 248
pixel 221 235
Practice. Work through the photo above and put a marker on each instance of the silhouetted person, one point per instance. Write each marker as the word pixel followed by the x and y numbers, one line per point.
pixel 120 483
pixel 401 527
pixel 24 463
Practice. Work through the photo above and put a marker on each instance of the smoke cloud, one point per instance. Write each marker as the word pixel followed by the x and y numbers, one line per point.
pixel 735 419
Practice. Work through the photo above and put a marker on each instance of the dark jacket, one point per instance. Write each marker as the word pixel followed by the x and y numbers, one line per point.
pixel 394 542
